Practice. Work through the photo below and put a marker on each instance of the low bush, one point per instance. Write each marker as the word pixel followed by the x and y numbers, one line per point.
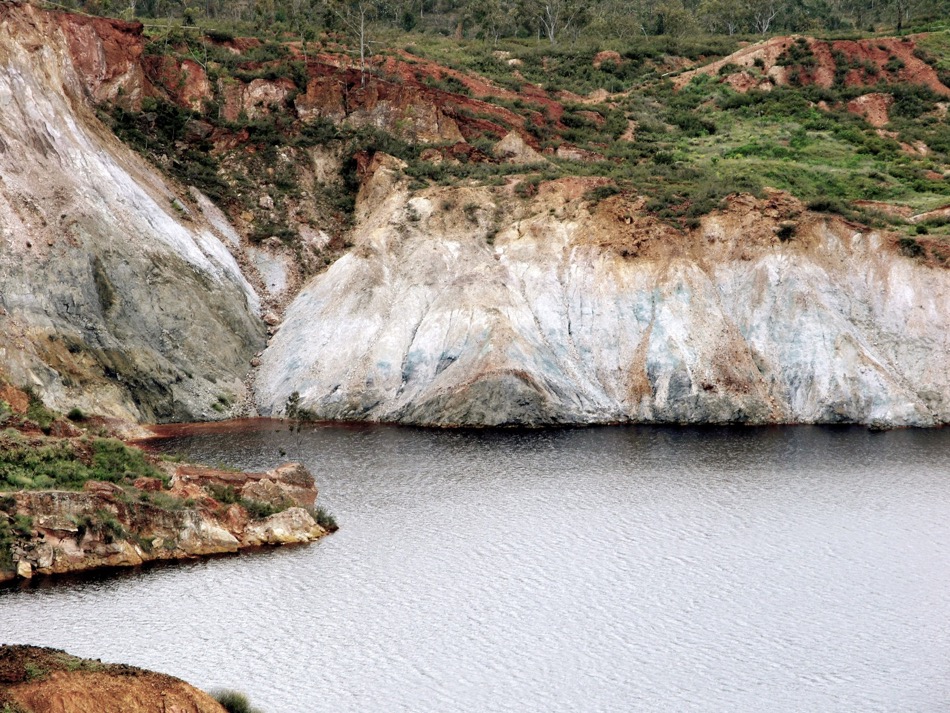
pixel 235 702
pixel 911 248
pixel 324 519
pixel 61 463
pixel 596 195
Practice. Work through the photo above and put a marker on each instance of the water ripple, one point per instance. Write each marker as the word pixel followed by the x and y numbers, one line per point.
pixel 624 569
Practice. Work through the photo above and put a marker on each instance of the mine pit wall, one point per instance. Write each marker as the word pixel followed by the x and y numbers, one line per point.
pixel 113 298
pixel 566 316
pixel 456 306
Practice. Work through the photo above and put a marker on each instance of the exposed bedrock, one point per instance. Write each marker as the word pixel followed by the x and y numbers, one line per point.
pixel 454 310
pixel 113 297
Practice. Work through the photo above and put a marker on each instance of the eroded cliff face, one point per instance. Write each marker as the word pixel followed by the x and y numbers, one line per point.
pixel 114 296
pixel 130 296
pixel 465 307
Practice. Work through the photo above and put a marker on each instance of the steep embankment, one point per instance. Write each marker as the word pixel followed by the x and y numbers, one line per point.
pixel 804 61
pixel 114 297
pixel 455 309
pixel 40 680
pixel 501 299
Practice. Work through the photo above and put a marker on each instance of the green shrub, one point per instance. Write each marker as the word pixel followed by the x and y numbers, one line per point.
pixel 324 519
pixel 911 248
pixel 59 463
pixel 224 493
pixel 234 702
pixel 22 524
pixel 110 528
pixel 34 672
pixel 830 205
pixel 596 195
pixel 691 124
pixel 449 84
pixel 894 64
pixel 38 413
pixel 114 461
pixel 258 509
pixel 528 187
pixel 798 54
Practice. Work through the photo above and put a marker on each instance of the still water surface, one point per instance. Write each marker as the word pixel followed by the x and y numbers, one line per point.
pixel 613 569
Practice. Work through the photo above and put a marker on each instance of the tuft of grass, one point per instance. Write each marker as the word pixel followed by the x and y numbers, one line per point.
pixel 324 519
pixel 35 672
pixel 234 702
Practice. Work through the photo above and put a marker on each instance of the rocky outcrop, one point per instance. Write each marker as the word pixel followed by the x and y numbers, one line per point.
pixel 384 105
pixel 106 525
pixel 290 527
pixel 106 54
pixel 879 54
pixel 43 680
pixel 462 307
pixel 287 485
pixel 255 99
pixel 114 297
pixel 513 149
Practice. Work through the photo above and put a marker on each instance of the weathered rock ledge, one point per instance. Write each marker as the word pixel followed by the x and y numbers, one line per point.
pixel 205 512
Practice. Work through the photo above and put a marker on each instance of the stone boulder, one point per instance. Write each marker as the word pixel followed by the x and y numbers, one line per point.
pixel 100 487
pixel 514 149
pixel 291 526
pixel 288 484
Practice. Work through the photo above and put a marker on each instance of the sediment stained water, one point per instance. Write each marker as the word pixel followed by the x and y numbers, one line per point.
pixel 609 569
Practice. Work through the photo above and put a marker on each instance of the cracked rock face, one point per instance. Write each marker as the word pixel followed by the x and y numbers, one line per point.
pixel 568 317
pixel 113 298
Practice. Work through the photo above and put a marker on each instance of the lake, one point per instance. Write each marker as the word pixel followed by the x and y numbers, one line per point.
pixel 603 569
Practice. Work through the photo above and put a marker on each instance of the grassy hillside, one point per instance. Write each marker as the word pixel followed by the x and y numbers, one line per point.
pixel 649 118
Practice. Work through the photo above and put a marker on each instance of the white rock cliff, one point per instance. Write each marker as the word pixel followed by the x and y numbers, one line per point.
pixel 455 306
pixel 569 317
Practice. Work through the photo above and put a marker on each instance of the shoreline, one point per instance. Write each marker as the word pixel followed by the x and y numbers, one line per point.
pixel 202 512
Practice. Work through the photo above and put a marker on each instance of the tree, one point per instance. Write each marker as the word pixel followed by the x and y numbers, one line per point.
pixel 355 16
pixel 902 11
pixel 618 19
pixel 493 17
pixel 726 16
pixel 296 416
pixel 554 16
pixel 675 20
pixel 763 12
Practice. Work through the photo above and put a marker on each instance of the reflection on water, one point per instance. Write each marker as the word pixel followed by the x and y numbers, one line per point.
pixel 611 569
